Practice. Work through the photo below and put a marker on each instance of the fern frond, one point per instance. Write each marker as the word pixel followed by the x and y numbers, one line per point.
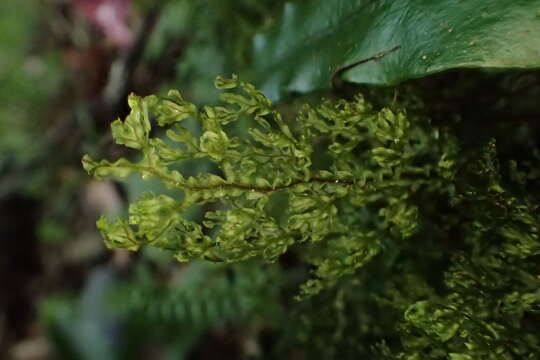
pixel 378 162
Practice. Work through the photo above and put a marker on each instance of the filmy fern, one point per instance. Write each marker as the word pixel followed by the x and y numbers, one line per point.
pixel 450 249
pixel 491 297
pixel 340 180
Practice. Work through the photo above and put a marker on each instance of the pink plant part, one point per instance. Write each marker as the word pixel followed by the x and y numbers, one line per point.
pixel 110 16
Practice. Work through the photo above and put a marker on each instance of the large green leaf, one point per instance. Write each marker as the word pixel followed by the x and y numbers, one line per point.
pixel 384 42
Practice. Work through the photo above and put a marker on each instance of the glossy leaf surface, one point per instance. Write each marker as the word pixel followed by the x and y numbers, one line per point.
pixel 385 42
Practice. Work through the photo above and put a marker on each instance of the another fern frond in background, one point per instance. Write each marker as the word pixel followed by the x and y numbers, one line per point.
pixel 491 300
